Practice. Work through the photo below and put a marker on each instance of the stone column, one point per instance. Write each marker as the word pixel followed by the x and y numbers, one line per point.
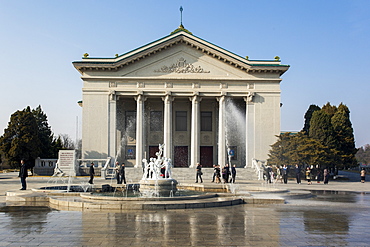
pixel 195 130
pixel 112 135
pixel 139 129
pixel 248 130
pixel 221 131
pixel 167 126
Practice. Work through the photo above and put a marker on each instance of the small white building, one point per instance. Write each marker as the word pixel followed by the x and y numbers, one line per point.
pixel 202 101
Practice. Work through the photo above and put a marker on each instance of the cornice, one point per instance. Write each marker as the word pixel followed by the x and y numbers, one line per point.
pixel 115 64
pixel 120 78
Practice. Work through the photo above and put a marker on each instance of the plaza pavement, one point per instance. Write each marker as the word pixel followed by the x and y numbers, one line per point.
pixel 343 221
pixel 348 181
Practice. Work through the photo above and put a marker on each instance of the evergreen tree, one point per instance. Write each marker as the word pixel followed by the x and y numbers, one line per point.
pixel 279 155
pixel 298 149
pixel 321 129
pixel 20 139
pixel 311 152
pixel 345 139
pixel 44 132
pixel 329 109
pixel 363 154
pixel 308 116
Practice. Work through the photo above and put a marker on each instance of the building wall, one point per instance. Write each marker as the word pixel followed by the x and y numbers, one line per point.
pixel 106 91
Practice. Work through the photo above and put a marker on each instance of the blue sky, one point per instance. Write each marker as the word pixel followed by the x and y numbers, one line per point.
pixel 326 43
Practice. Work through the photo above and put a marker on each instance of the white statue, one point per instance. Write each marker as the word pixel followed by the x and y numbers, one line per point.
pixel 146 168
pixel 168 168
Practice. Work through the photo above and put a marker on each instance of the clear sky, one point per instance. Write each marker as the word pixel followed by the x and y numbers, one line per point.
pixel 326 43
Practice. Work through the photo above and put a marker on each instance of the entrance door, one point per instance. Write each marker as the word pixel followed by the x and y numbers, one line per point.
pixel 181 156
pixel 152 151
pixel 206 156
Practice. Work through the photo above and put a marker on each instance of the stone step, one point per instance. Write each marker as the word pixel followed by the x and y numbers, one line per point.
pixel 185 174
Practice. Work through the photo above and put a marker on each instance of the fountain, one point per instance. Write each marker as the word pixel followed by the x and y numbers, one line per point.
pixel 157 178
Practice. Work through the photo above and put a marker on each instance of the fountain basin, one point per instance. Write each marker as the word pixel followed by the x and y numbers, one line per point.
pixel 158 187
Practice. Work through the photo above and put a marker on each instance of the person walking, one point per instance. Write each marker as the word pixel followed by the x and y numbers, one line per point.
pixel 233 174
pixel 116 172
pixel 122 174
pixel 199 173
pixel 298 173
pixel 326 176
pixel 91 173
pixel 308 175
pixel 214 173
pixel 363 175
pixel 227 173
pixel 319 175
pixel 284 172
pixel 268 174
pixel 278 175
pixel 218 174
pixel 23 174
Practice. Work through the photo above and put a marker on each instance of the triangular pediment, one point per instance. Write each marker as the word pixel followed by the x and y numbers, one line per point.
pixel 196 48
pixel 178 62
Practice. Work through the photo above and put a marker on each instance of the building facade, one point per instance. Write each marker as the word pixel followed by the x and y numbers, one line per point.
pixel 204 103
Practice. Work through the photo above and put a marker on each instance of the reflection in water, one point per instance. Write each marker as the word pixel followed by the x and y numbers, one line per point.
pixel 326 223
pixel 26 219
pixel 335 196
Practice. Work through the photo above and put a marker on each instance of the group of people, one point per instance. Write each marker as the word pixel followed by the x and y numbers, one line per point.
pixel 282 173
pixel 218 173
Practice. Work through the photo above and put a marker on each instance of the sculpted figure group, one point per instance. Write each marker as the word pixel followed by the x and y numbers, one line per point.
pixel 160 167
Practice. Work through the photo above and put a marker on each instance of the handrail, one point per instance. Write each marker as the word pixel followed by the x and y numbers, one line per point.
pixel 103 173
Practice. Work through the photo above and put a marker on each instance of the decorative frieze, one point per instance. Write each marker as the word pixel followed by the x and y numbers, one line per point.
pixel 223 85
pixel 196 85
pixel 140 85
pixel 181 66
pixel 168 85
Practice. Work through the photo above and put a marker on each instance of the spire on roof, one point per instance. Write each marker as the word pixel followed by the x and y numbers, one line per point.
pixel 181 27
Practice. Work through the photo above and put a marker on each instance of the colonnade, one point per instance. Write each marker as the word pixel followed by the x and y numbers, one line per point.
pixel 195 128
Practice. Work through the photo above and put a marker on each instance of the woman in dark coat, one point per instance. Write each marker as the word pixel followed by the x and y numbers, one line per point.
pixel 23 174
pixel 91 173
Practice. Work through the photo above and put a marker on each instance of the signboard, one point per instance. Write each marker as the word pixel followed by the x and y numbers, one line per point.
pixel 67 162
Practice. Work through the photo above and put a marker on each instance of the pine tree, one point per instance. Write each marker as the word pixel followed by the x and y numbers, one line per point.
pixel 44 132
pixel 329 109
pixel 345 139
pixel 20 139
pixel 363 154
pixel 278 155
pixel 321 129
pixel 308 116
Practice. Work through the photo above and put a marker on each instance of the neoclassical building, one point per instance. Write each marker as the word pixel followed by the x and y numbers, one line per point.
pixel 205 103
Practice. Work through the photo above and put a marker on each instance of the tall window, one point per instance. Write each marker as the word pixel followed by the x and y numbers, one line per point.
pixel 130 121
pixel 206 121
pixel 181 121
pixel 156 121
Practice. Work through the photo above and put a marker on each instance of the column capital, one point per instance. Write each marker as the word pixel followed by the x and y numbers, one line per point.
pixel 168 98
pixel 221 98
pixel 112 95
pixel 249 97
pixel 140 98
pixel 195 99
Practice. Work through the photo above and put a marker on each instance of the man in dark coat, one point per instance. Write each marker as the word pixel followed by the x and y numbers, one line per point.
pixel 227 173
pixel 233 174
pixel 23 174
pixel 199 173
pixel 122 173
pixel 284 172
pixel 298 173
pixel 91 173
